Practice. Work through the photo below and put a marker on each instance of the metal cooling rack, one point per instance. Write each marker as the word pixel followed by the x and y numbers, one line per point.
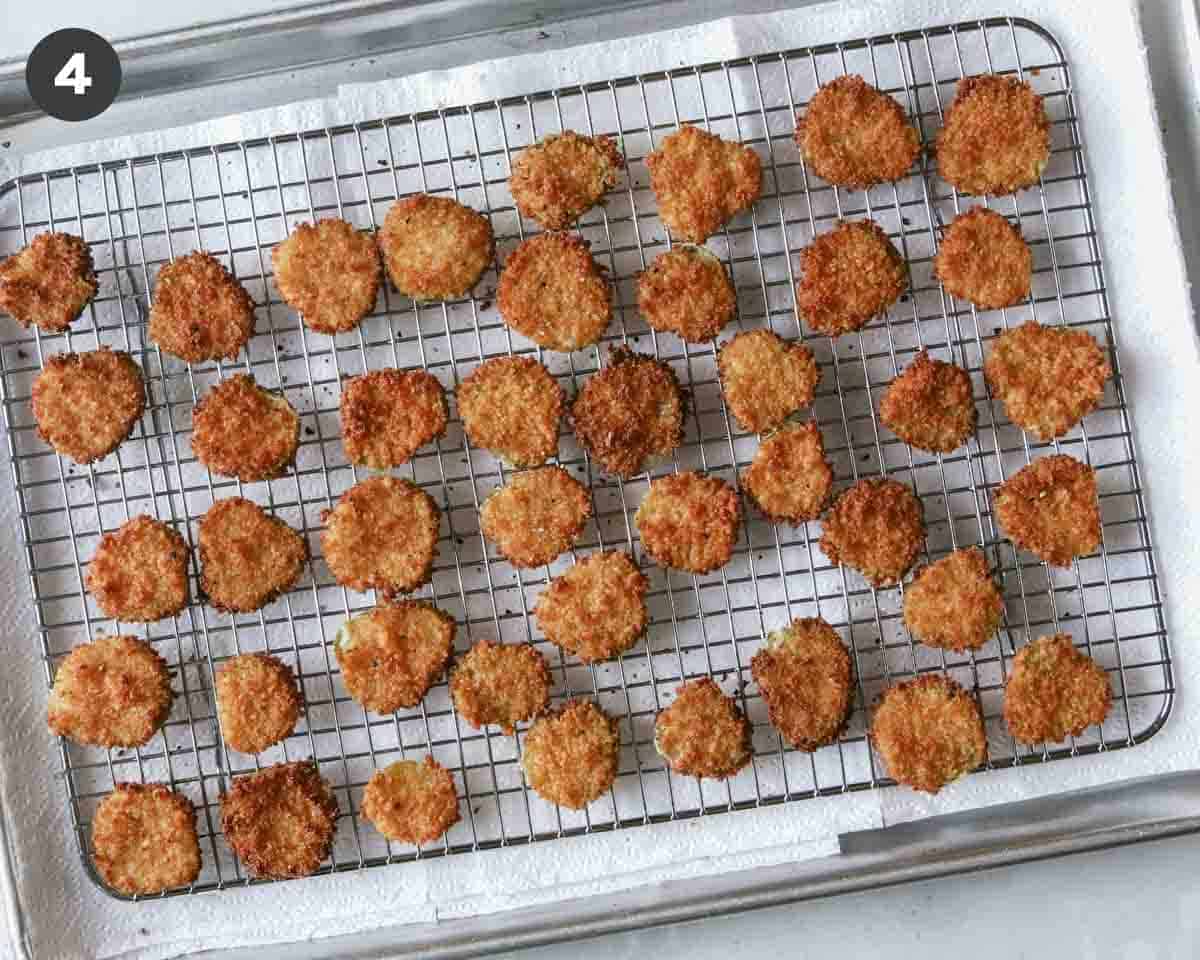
pixel 238 199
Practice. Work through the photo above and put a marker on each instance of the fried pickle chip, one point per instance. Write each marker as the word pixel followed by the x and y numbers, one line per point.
pixel 552 291
pixel 435 248
pixel 1054 691
pixel 803 674
pixel 139 572
pixel 48 283
pixel 877 528
pixel 629 412
pixel 247 556
pixel 1051 509
pixel 86 404
pixel 391 655
pixel 500 683
pixel 200 312
pixel 789 479
pixel 931 405
pixel 512 406
pixel 258 702
pixel 765 379
pixel 1049 378
pixel 562 176
pixel 241 430
pixel 144 839
pixel 985 260
pixel 597 609
pixel 411 802
pixel 329 272
pixel 954 603
pixel 996 137
pixel 112 692
pixel 851 275
pixel 701 182
pixel 853 135
pixel 571 754
pixel 703 733
pixel 536 515
pixel 280 820
pixel 687 291
pixel 388 415
pixel 689 521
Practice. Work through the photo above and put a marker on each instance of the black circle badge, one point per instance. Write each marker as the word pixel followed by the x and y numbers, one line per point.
pixel 73 74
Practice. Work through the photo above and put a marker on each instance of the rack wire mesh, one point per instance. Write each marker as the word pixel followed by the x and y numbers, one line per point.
pixel 238 199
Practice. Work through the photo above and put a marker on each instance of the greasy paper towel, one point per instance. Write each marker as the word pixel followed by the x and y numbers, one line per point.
pixel 68 917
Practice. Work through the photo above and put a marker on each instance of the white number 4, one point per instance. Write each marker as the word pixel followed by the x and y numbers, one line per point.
pixel 74 75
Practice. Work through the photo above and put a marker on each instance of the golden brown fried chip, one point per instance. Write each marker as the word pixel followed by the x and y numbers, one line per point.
pixel 687 291
pixel 704 732
pixel 85 404
pixel 1051 509
pixel 500 683
pixel 1054 691
pixel 247 556
pixel 388 415
pixel 1049 378
pixel 689 521
pixel 200 312
pixel 329 272
pixel 629 413
pixel 984 259
pixel 552 291
pixel 144 839
pixel 512 406
pixel 765 379
pixel 702 182
pixel 562 176
pixel 241 430
pixel 876 527
pixel 855 136
pixel 954 603
pixel 931 405
pixel 48 283
pixel 803 674
pixel 789 479
pixel 258 702
pixel 411 802
pixel 139 572
pixel 435 248
pixel 571 754
pixel 112 692
pixel 597 609
pixel 536 515
pixel 851 275
pixel 390 656
pixel 280 820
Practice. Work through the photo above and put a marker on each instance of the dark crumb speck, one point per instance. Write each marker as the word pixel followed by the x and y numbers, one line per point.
pixel 865 457
pixel 459 541
pixel 906 221
pixel 382 163
pixel 475 811
pixel 485 305
pixel 22 354
pixel 309 431
pixel 543 35
pixel 142 930
pixel 995 331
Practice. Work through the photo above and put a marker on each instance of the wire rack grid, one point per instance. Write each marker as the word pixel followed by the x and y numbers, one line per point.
pixel 238 199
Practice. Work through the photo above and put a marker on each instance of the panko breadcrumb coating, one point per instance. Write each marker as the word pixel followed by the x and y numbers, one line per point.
pixel 954 604
pixel 687 291
pixel 552 291
pixel 931 405
pixel 789 479
pixel 382 534
pixel 411 802
pixel 703 733
pixel 765 379
pixel 390 656
pixel 984 259
pixel 512 406
pixel 1051 509
pixel 803 673
pixel 571 754
pixel 329 272
pixel 877 528
pixel 929 732
pixel 500 683
pixel 996 137
pixel 562 176
pixel 435 248
pixel 629 413
pixel 144 839
pixel 536 515
pixel 853 135
pixel 48 283
pixel 112 692
pixel 388 415
pixel 851 275
pixel 1055 691
pixel 86 404
pixel 689 521
pixel 139 571
pixel 241 430
pixel 258 702
pixel 597 609
pixel 1049 378
pixel 247 556
pixel 199 311
pixel 701 182
pixel 280 820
